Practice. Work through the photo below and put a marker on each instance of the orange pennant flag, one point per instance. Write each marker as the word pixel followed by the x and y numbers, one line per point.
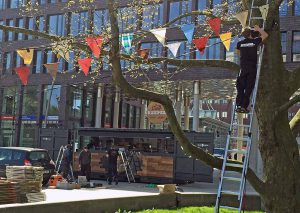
pixel 85 65
pixel 215 25
pixel 200 43
pixel 27 55
pixel 52 69
pixel 23 73
pixel 144 53
pixel 95 43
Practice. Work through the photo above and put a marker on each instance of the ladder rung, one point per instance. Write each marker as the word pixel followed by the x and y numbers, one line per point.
pixel 232 178
pixel 235 165
pixel 241 138
pixel 256 7
pixel 230 192
pixel 237 151
pixel 229 207
pixel 241 125
pixel 257 18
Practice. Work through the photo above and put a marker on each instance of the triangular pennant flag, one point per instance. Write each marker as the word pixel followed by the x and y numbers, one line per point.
pixel 95 43
pixel 27 55
pixel 242 17
pixel 144 53
pixel 201 44
pixel 215 25
pixel 23 73
pixel 226 39
pixel 173 47
pixel 264 11
pixel 160 34
pixel 126 40
pixel 52 69
pixel 85 65
pixel 188 30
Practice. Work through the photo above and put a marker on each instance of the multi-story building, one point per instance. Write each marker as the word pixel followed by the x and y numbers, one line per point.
pixel 75 100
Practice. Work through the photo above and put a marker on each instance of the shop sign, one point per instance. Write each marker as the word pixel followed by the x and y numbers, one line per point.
pixel 28 118
pixel 9 118
pixel 156 113
pixel 50 117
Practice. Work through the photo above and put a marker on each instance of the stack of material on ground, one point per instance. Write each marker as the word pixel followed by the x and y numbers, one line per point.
pixel 30 180
pixel 8 192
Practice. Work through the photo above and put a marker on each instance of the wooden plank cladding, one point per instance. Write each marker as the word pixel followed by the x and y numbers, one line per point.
pixel 97 164
pixel 157 166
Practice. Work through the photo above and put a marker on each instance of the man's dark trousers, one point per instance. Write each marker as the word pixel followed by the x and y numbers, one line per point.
pixel 86 171
pixel 245 84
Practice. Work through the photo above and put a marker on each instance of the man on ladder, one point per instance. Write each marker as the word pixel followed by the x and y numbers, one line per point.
pixel 247 49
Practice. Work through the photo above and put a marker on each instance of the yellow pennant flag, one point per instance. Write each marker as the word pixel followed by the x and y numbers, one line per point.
pixel 242 17
pixel 52 69
pixel 264 11
pixel 27 55
pixel 226 39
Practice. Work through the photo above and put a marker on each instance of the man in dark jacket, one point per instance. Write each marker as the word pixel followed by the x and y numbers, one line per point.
pixel 66 162
pixel 112 161
pixel 247 49
pixel 85 163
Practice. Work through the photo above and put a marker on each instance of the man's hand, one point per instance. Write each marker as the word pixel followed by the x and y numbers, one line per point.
pixel 263 34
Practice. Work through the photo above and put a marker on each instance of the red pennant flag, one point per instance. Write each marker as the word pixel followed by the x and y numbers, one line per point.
pixel 85 65
pixel 215 25
pixel 23 73
pixel 201 44
pixel 95 43
pixel 144 53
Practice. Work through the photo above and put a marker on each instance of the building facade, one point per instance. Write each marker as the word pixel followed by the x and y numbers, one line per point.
pixel 75 100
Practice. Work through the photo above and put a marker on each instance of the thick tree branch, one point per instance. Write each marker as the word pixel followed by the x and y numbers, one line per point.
pixel 294 80
pixel 288 104
pixel 295 124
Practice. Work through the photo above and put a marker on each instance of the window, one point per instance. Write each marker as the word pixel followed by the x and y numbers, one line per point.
pixel 296 46
pixel 56 25
pixel 155 50
pixel 37 61
pixel 79 23
pixel 212 51
pixel 2 4
pixel 152 16
pixel 224 114
pixel 283 9
pixel 76 102
pixel 9 35
pixel 231 55
pixel 100 21
pixel 217 7
pixel 30 26
pixel 202 5
pixel 283 45
pixel 71 62
pixel 17 60
pixel 296 9
pixel 20 23
pixel 1 32
pixel 53 109
pixel 30 100
pixel 6 63
pixel 178 8
pixel 126 19
pixel 14 3
pixel 40 23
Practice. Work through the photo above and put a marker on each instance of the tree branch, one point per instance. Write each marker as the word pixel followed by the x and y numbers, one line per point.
pixel 294 80
pixel 295 124
pixel 288 104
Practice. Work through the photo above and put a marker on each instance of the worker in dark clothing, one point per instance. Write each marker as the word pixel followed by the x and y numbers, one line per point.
pixel 66 162
pixel 85 163
pixel 247 49
pixel 112 161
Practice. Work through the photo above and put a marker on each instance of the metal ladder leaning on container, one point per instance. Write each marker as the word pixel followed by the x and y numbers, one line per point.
pixel 231 137
pixel 59 160
pixel 126 163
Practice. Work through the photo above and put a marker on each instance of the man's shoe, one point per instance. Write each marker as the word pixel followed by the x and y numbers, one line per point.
pixel 238 109
pixel 244 110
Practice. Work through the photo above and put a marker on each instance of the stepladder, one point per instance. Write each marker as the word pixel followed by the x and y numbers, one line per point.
pixel 239 138
pixel 63 163
pixel 126 165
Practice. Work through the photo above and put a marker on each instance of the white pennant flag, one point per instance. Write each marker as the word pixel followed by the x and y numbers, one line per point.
pixel 160 34
pixel 264 11
pixel 62 49
pixel 173 47
pixel 242 17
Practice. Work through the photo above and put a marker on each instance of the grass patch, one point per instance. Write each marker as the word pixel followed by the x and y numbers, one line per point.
pixel 192 210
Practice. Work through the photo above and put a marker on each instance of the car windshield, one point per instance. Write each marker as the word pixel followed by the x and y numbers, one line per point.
pixel 39 156
pixel 7 154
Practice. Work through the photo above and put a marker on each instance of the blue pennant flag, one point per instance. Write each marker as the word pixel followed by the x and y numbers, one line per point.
pixel 188 30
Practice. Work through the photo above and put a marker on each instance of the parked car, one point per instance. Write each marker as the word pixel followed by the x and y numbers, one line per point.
pixel 24 156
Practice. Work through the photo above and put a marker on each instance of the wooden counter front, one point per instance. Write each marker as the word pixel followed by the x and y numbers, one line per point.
pixel 96 163
pixel 157 166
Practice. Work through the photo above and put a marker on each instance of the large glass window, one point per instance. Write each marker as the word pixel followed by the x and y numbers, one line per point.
pixel 126 19
pixel 9 101
pixel 283 45
pixel 212 51
pixel 56 24
pixel 296 9
pixel 152 16
pixel 202 5
pixel 20 23
pixel 9 35
pixel 30 26
pixel 283 9
pixel 17 60
pixel 37 61
pixel 51 100
pixel 100 21
pixel 108 111
pixel 40 23
pixel 14 3
pixel 1 32
pixel 2 4
pixel 30 100
pixel 76 102
pixel 155 50
pixel 178 8
pixel 217 7
pixel 296 46
pixel 231 55
pixel 6 63
pixel 79 23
